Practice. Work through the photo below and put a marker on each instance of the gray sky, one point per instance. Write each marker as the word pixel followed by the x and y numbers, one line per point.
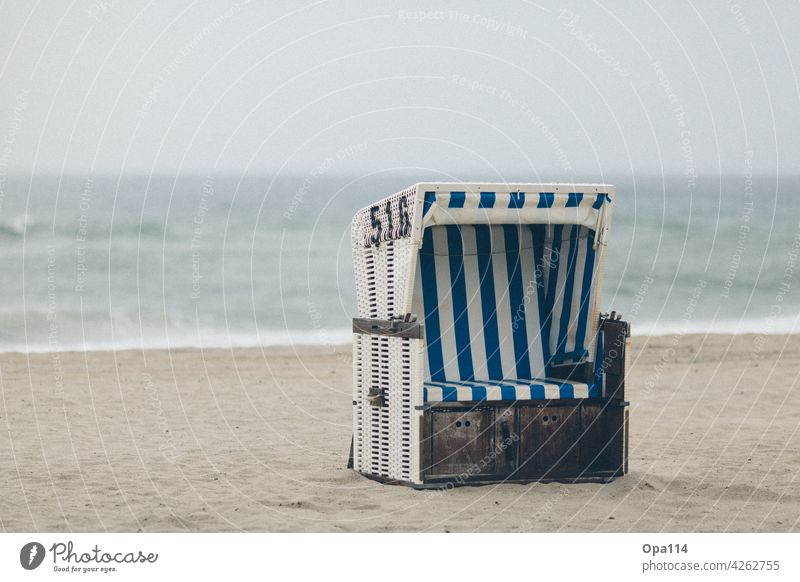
pixel 554 90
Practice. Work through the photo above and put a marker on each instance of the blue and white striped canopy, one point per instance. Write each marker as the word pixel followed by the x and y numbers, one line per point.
pixel 515 207
pixel 505 277
pixel 506 285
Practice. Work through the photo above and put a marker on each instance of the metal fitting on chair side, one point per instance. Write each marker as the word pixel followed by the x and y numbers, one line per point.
pixel 376 396
pixel 616 334
pixel 405 326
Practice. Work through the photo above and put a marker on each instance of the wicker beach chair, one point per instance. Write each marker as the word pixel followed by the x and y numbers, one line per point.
pixel 480 354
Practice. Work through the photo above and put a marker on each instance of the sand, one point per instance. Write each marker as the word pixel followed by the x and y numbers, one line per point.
pixel 257 440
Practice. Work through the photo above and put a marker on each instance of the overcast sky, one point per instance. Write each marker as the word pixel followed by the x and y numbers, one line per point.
pixel 556 90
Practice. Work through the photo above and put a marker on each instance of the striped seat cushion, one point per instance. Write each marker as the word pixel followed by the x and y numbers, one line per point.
pixel 463 391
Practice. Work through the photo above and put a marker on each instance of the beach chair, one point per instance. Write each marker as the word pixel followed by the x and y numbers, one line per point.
pixel 479 351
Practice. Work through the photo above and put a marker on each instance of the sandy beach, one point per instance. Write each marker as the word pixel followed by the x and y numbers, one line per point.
pixel 257 440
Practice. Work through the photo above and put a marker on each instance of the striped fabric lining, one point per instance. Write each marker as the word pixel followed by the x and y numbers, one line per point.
pixel 504 301
pixel 568 275
pixel 479 297
pixel 461 391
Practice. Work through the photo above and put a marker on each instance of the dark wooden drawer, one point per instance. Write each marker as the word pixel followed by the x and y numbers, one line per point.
pixel 467 443
pixel 603 438
pixel 548 441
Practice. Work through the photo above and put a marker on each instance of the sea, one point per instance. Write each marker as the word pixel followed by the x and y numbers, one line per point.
pixel 106 261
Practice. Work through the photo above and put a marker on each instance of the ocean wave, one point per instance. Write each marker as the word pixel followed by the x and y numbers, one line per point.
pixel 764 326
pixel 20 226
pixel 217 340
pixel 343 336
pixel 17 226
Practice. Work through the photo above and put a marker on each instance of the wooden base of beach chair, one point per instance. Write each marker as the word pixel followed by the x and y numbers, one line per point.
pixel 607 477
pixel 581 441
pixel 564 440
